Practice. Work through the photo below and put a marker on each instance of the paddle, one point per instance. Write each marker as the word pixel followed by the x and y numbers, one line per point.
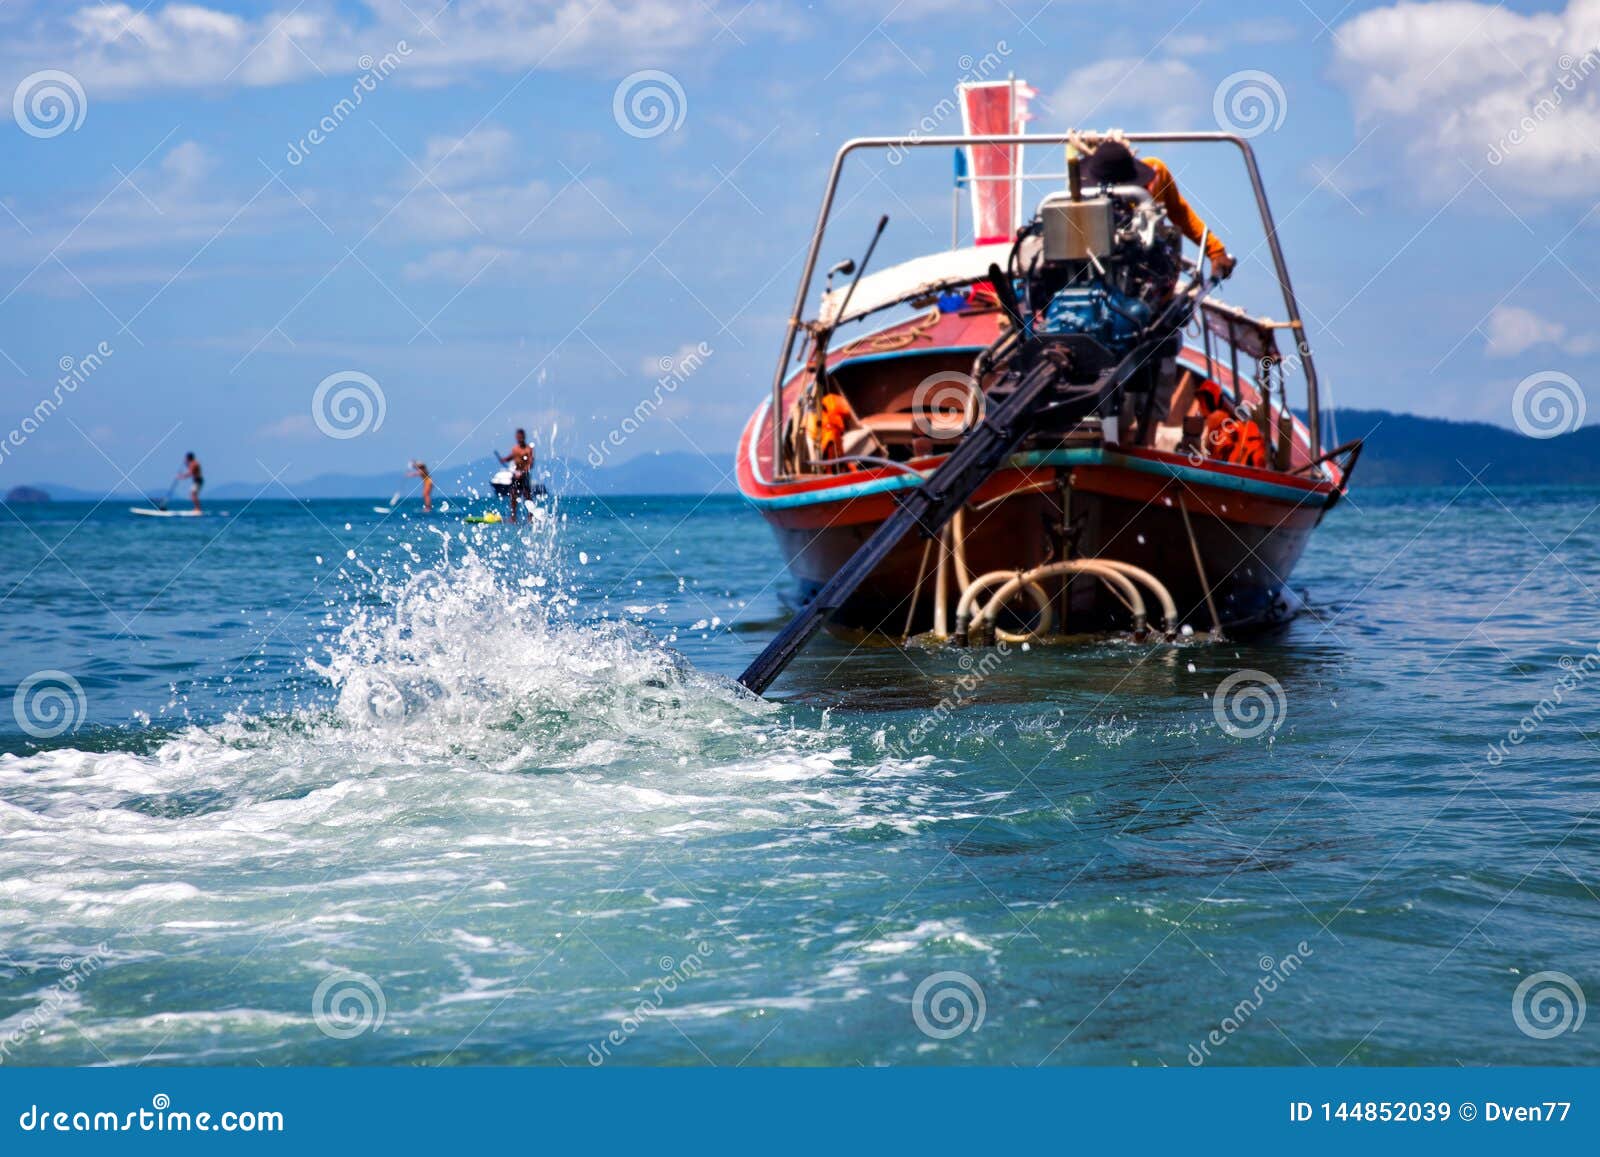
pixel 161 503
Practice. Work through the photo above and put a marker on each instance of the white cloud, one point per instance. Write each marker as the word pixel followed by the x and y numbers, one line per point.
pixel 456 266
pixel 122 48
pixel 1453 83
pixel 1155 93
pixel 1512 330
pixel 453 162
pixel 472 195
pixel 1260 31
pixel 172 200
pixel 294 427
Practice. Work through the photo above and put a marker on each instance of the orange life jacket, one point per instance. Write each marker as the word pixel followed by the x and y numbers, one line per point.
pixel 826 424
pixel 1221 435
pixel 1250 449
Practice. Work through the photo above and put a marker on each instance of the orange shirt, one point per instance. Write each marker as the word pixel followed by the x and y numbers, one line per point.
pixel 1164 189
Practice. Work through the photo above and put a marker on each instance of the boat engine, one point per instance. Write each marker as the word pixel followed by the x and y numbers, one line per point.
pixel 1094 271
pixel 1106 264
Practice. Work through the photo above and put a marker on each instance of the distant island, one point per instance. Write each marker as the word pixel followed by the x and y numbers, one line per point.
pixel 1408 450
pixel 1401 450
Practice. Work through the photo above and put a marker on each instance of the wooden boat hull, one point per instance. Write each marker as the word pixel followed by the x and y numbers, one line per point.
pixel 1249 525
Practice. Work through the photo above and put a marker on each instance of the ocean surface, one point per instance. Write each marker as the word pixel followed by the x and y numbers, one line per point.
pixel 310 784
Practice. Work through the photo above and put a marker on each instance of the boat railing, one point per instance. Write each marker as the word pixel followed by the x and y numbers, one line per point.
pixel 808 272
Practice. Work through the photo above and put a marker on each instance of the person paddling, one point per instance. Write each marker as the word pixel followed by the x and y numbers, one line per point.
pixel 420 470
pixel 191 471
pixel 521 462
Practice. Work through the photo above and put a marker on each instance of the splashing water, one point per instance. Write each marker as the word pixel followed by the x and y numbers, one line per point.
pixel 471 807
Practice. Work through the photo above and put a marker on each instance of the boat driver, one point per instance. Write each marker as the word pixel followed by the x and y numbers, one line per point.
pixel 1114 163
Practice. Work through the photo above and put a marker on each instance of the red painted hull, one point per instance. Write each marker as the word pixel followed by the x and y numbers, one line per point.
pixel 1128 504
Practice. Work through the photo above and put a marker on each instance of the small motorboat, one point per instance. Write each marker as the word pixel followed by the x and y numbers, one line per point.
pixel 1024 452
pixel 500 481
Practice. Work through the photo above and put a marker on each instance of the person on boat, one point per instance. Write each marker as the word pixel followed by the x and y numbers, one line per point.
pixel 521 462
pixel 191 471
pixel 420 470
pixel 1114 163
pixel 826 425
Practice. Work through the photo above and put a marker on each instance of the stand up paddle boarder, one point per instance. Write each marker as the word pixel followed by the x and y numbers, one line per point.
pixel 191 471
pixel 521 462
pixel 420 470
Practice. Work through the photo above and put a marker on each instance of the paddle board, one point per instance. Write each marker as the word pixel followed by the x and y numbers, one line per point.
pixel 480 519
pixel 151 512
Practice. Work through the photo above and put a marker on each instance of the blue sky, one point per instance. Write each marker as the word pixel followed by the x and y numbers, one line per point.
pixel 484 238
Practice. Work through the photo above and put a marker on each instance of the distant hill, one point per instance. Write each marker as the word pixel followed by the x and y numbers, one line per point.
pixel 1401 450
pixel 1407 450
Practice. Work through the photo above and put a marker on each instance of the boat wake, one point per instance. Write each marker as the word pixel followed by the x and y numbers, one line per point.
pixel 485 771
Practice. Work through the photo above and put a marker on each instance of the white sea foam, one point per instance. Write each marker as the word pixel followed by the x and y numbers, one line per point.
pixel 486 780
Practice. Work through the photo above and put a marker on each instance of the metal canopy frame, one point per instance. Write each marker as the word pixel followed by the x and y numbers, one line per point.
pixel 1303 347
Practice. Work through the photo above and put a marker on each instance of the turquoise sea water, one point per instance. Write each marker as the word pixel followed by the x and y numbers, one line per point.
pixel 328 786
